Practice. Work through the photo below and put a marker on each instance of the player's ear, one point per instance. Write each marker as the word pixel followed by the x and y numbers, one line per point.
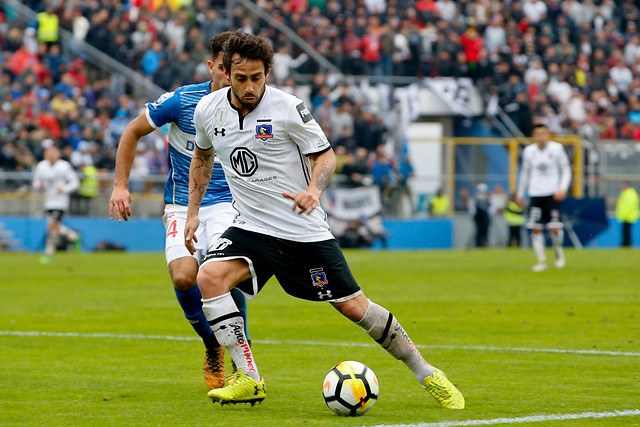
pixel 266 74
pixel 210 65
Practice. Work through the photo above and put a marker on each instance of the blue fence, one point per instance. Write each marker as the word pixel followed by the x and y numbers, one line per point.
pixel 147 235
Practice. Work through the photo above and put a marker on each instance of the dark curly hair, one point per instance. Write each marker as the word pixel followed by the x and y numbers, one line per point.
pixel 217 43
pixel 247 46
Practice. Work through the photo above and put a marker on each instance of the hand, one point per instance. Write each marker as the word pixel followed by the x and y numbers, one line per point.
pixel 519 201
pixel 560 195
pixel 305 201
pixel 120 203
pixel 190 228
pixel 60 190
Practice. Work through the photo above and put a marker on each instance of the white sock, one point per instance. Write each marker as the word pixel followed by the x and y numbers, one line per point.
pixel 537 241
pixel 228 326
pixel 557 239
pixel 383 327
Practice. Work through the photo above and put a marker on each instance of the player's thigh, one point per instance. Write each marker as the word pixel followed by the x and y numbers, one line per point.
pixel 554 222
pixel 535 219
pixel 216 219
pixel 315 271
pixel 174 220
pixel 246 250
pixel 54 218
pixel 217 277
pixel 183 272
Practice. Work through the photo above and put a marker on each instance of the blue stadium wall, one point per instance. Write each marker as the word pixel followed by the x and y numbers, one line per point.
pixel 147 235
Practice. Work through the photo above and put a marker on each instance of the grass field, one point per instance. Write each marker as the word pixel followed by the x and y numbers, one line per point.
pixel 517 344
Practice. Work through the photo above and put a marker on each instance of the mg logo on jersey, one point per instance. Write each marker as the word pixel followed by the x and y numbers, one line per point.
pixel 243 161
pixel 264 132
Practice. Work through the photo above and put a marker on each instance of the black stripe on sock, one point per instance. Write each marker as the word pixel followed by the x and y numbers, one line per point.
pixel 386 330
pixel 225 317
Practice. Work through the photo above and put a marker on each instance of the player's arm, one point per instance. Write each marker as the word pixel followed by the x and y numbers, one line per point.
pixel 37 179
pixel 72 183
pixel 523 182
pixel 120 197
pixel 565 177
pixel 200 172
pixel 324 165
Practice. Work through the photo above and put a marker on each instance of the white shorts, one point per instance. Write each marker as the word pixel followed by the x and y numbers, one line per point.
pixel 214 220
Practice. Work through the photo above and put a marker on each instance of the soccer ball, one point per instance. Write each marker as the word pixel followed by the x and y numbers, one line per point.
pixel 350 388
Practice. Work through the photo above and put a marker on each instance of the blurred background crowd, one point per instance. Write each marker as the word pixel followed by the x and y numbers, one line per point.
pixel 574 65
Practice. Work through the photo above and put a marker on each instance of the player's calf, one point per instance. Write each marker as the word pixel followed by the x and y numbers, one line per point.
pixel 385 329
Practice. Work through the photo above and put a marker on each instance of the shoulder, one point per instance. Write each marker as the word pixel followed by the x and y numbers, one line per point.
pixel 64 165
pixel 291 106
pixel 280 98
pixel 556 146
pixel 212 99
pixel 196 88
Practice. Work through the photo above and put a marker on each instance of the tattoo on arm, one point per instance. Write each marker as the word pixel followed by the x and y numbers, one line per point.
pixel 325 172
pixel 202 170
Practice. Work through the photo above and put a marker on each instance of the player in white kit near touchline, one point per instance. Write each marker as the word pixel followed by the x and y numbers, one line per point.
pixel 545 176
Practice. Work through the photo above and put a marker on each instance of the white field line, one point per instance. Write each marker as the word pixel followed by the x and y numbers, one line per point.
pixel 522 420
pixel 316 343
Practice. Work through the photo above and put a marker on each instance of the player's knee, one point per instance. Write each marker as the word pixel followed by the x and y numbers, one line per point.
pixel 183 280
pixel 353 309
pixel 212 278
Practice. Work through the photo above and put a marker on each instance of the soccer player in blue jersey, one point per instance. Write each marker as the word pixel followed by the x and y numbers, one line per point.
pixel 176 108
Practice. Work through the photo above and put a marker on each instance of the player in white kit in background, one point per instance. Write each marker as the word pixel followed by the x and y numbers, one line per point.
pixel 545 176
pixel 278 162
pixel 176 108
pixel 58 180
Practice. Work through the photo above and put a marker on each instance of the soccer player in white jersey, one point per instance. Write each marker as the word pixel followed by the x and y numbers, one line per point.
pixel 545 175
pixel 176 108
pixel 278 162
pixel 58 180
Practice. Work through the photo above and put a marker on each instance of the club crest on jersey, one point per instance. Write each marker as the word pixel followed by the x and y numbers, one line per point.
pixel 264 132
pixel 318 277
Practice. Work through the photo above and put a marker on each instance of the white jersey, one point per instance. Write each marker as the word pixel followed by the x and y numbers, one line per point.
pixel 544 171
pixel 263 154
pixel 57 181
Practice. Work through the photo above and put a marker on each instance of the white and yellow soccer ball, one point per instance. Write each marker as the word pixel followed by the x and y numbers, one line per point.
pixel 350 388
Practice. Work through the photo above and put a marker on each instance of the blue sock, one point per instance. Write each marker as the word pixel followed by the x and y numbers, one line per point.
pixel 241 302
pixel 191 302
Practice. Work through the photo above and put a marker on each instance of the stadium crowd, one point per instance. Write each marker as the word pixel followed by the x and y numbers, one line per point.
pixel 574 65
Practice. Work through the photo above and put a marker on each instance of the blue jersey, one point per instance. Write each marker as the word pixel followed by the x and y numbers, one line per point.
pixel 176 108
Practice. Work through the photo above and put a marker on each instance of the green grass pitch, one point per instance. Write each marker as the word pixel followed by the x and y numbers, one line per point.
pixel 481 316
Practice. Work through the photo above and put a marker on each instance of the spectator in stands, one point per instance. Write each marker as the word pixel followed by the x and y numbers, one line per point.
pixel 152 57
pixel 48 25
pixel 621 76
pixel 356 168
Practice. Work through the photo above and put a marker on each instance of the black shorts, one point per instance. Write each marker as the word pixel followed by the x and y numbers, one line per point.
pixel 544 210
pixel 314 271
pixel 55 214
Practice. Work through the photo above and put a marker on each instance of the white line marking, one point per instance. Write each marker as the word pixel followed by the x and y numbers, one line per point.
pixel 316 343
pixel 521 420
